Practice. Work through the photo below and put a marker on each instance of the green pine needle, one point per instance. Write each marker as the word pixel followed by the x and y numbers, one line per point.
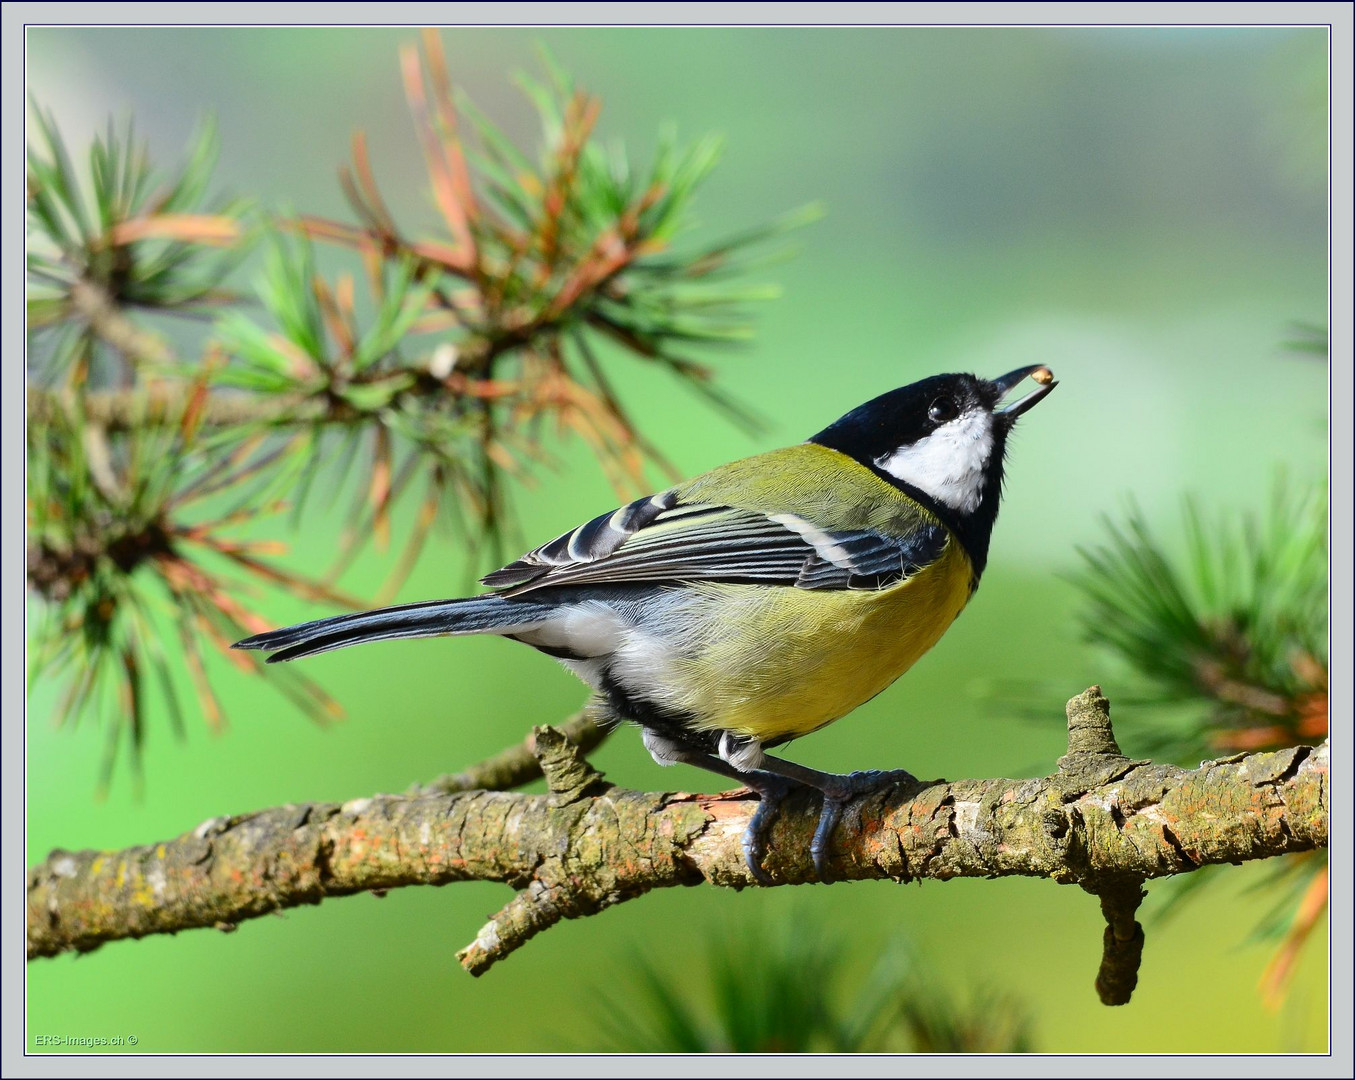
pixel 1234 627
pixel 789 989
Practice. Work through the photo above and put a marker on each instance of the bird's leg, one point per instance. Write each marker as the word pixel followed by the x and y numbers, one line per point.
pixel 771 790
pixel 837 789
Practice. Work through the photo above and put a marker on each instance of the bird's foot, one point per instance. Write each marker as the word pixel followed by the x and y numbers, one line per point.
pixel 772 791
pixel 838 790
pixel 776 779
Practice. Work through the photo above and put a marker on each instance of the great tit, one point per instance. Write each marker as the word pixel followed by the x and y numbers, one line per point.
pixel 761 600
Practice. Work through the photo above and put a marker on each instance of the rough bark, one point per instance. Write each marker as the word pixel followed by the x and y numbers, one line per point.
pixel 1103 821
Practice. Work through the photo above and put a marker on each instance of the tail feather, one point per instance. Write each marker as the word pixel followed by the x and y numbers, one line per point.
pixel 432 618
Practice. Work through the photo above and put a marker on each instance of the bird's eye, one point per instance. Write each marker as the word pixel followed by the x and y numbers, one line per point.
pixel 941 410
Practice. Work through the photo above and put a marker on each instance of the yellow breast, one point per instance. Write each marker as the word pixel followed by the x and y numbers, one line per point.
pixel 775 663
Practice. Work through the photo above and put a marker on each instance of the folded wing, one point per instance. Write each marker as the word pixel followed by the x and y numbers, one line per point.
pixel 660 539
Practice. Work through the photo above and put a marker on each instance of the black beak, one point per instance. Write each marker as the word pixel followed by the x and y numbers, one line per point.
pixel 1008 382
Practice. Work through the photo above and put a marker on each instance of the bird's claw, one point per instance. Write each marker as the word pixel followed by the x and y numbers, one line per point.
pixel 836 796
pixel 772 791
pixel 837 791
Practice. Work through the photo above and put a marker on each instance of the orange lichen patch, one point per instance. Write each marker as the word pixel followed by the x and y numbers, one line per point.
pixel 926 817
pixel 928 804
pixel 879 847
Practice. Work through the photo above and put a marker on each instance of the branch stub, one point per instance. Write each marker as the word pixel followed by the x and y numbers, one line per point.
pixel 568 774
pixel 1089 729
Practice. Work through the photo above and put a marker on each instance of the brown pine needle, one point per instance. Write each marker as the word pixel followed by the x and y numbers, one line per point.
pixel 185 228
pixel 1274 984
pixel 444 186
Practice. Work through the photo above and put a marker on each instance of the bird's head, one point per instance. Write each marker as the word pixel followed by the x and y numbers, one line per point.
pixel 941 440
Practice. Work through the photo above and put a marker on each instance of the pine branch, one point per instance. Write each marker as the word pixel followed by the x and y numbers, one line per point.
pixel 474 349
pixel 1103 821
pixel 164 405
pixel 107 319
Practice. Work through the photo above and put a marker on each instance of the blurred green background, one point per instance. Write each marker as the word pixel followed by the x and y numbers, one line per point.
pixel 1142 210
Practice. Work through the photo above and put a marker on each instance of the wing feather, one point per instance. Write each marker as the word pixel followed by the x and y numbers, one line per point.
pixel 657 539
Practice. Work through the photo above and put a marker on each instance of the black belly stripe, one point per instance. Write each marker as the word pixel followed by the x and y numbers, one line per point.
pixel 671 725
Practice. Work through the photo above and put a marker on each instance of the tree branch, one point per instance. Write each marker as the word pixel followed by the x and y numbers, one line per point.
pixel 166 403
pixel 1102 821
pixel 106 319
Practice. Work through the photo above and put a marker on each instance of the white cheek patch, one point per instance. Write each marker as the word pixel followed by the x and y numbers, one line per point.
pixel 949 463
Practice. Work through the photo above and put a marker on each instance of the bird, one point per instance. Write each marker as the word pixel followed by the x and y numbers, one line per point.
pixel 759 601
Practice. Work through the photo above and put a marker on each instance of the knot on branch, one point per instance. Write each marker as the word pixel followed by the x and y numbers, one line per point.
pixel 568 774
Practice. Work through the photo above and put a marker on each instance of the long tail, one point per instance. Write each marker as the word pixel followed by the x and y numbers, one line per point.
pixel 433 618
